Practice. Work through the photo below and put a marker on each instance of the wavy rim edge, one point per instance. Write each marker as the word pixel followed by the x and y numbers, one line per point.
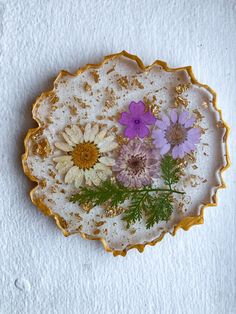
pixel 185 223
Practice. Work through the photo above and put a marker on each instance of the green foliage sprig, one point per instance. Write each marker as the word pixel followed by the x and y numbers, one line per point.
pixel 155 203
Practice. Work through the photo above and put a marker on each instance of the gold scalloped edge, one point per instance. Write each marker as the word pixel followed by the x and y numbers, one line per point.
pixel 184 224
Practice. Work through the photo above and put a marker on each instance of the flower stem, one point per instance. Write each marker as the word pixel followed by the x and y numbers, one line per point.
pixel 157 190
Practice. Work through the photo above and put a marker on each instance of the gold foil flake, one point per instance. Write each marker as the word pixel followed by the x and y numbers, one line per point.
pixel 42 148
pixel 79 228
pixel 123 82
pixel 181 88
pixel 193 180
pixel 180 207
pixel 43 183
pixel 63 222
pixel 114 129
pixel 96 231
pixel 73 110
pixel 37 135
pixel 105 231
pixel 53 108
pixel 100 117
pixel 203 130
pixel 198 115
pixel 113 211
pixel 53 189
pixel 77 216
pixel 87 87
pixel 113 117
pixel 112 69
pixel 180 101
pixel 81 103
pixel 190 158
pixel 151 105
pixel 87 207
pixel 53 98
pixel 111 99
pixel 49 120
pixel 95 76
pixel 121 140
pixel 99 223
pixel 51 174
pixel 137 83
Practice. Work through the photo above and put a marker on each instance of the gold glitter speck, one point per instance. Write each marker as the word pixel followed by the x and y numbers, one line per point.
pixel 123 81
pixel 137 83
pixel 54 98
pixel 96 232
pixel 81 103
pixel 86 207
pixel 73 110
pixel 100 223
pixel 87 87
pixel 42 148
pixel 95 76
pixel 113 211
pixel 180 101
pixel 181 88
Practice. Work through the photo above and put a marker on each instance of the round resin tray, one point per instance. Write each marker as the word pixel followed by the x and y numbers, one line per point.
pixel 125 153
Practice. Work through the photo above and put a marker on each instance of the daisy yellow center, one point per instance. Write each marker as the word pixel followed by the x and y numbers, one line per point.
pixel 85 155
pixel 176 134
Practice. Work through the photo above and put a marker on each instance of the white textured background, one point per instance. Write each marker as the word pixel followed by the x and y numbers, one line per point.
pixel 40 270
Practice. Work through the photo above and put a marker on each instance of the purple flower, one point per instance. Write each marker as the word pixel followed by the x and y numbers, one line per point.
pixel 137 164
pixel 177 133
pixel 136 120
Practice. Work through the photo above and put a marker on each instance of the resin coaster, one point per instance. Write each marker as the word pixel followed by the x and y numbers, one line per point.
pixel 126 153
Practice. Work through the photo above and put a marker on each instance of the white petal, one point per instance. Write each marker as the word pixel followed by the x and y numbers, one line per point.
pixel 67 139
pixel 100 136
pixel 104 168
pixel 87 176
pixel 93 133
pixel 79 179
pixel 74 133
pixel 64 147
pixel 106 141
pixel 62 158
pixel 94 178
pixel 72 174
pixel 108 147
pixel 63 166
pixel 87 131
pixel 107 161
pixel 102 175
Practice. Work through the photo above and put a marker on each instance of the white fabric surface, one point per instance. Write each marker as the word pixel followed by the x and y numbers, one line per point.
pixel 40 270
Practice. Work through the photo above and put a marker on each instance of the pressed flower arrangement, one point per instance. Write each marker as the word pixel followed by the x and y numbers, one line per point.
pixel 126 153
pixel 138 164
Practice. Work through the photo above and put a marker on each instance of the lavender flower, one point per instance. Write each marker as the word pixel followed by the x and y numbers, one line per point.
pixel 136 120
pixel 177 133
pixel 137 164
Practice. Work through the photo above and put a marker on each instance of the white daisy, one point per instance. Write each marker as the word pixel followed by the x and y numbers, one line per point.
pixel 86 155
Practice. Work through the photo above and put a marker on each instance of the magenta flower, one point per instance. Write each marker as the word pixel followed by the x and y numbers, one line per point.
pixel 176 133
pixel 137 164
pixel 136 120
